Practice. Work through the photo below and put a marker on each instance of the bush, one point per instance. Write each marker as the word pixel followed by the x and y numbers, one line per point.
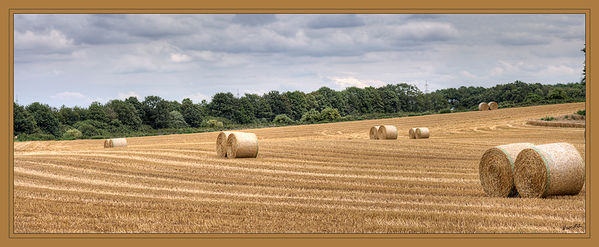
pixel 582 112
pixel 36 136
pixel 72 134
pixel 330 114
pixel 548 118
pixel 214 124
pixel 282 119
pixel 87 129
pixel 311 116
pixel 444 111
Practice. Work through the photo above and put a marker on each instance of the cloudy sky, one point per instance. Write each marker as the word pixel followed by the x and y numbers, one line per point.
pixel 74 59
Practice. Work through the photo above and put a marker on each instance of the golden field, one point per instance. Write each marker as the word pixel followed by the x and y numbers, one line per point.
pixel 321 178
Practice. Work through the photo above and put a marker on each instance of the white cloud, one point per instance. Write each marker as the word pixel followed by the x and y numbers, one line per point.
pixel 344 82
pixel 128 94
pixel 49 41
pixel 68 95
pixel 180 58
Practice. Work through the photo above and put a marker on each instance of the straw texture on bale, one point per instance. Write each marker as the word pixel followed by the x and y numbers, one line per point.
pixel 374 132
pixel 115 142
pixel 483 106
pixel 242 145
pixel 493 105
pixel 387 132
pixel 422 132
pixel 412 133
pixel 221 143
pixel 496 169
pixel 550 169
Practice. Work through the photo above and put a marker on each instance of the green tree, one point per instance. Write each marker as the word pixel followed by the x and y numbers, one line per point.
pixel 192 113
pixel 125 113
pixel 311 116
pixel 96 112
pixel 224 105
pixel 156 112
pixel 23 121
pixel 176 120
pixel 297 103
pixel 330 114
pixel 583 81
pixel 44 118
pixel 283 119
pixel 68 116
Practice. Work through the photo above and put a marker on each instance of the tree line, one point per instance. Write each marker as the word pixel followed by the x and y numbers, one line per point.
pixel 124 117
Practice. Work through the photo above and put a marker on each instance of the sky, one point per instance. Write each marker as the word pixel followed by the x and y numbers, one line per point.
pixel 75 59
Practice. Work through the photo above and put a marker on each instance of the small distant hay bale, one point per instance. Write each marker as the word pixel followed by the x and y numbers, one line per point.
pixel 550 169
pixel 412 133
pixel 496 169
pixel 483 106
pixel 221 143
pixel 374 132
pixel 115 142
pixel 387 132
pixel 493 105
pixel 242 145
pixel 422 133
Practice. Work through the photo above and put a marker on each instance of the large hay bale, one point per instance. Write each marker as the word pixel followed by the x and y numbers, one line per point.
pixel 422 132
pixel 550 169
pixel 374 132
pixel 496 169
pixel 483 106
pixel 493 105
pixel 412 133
pixel 221 143
pixel 242 145
pixel 387 132
pixel 115 142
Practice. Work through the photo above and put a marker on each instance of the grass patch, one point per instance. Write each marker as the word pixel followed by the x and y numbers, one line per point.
pixel 548 118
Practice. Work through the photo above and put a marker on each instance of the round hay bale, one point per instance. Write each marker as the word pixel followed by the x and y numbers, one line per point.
pixel 412 133
pixel 387 132
pixel 496 169
pixel 493 105
pixel 115 142
pixel 550 169
pixel 483 106
pixel 221 143
pixel 242 145
pixel 374 132
pixel 422 132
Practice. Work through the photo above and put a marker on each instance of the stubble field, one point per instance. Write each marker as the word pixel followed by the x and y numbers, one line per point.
pixel 323 178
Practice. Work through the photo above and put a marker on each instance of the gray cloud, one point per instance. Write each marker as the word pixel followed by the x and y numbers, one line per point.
pixel 335 21
pixel 77 58
pixel 254 19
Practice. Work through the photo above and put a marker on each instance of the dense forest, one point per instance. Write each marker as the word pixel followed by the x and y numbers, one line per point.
pixel 154 115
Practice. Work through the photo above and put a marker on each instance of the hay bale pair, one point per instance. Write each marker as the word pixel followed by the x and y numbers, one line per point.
pixel 483 106
pixel 532 171
pixel 232 144
pixel 380 132
pixel 419 133
pixel 115 142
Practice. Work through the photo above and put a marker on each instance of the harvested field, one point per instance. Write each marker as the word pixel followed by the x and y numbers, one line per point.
pixel 321 178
